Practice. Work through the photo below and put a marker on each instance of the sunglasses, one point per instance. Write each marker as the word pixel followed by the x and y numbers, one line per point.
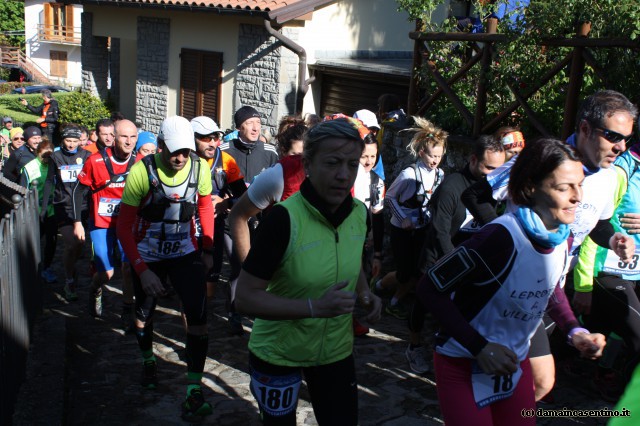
pixel 18 139
pixel 209 138
pixel 613 137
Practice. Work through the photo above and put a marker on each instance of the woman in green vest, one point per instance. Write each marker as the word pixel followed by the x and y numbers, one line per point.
pixel 36 171
pixel 302 279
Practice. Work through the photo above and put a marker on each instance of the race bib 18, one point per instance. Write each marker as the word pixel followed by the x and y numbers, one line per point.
pixel 489 388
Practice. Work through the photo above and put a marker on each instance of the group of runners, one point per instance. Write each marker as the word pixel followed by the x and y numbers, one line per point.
pixel 302 225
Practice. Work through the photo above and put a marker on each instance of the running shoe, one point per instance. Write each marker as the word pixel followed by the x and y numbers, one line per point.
pixel 359 329
pixel 127 319
pixel 417 361
pixel 49 276
pixel 235 324
pixel 194 407
pixel 149 375
pixel 397 311
pixel 95 303
pixel 70 291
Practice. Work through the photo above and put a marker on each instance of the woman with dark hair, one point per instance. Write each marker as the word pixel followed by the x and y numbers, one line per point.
pixel 491 292
pixel 290 140
pixel 301 280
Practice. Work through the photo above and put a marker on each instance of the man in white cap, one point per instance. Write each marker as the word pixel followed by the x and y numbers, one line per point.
pixel 227 182
pixel 161 196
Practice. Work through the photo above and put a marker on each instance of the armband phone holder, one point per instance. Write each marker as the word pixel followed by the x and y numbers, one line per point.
pixel 451 268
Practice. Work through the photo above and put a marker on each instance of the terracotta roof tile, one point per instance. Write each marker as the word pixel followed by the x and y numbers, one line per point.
pixel 281 10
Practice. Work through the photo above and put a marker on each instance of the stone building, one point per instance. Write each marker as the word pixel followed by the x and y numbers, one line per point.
pixel 155 58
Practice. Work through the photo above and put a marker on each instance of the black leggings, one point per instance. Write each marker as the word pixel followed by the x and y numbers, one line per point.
pixel 615 307
pixel 332 387
pixel 187 276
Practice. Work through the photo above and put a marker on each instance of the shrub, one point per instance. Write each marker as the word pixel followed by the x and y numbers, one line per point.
pixel 82 108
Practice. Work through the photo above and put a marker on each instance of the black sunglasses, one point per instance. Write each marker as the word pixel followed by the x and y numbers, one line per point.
pixel 613 137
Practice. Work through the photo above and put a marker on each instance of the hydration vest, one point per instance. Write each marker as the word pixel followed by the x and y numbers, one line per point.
pixel 159 202
pixel 113 177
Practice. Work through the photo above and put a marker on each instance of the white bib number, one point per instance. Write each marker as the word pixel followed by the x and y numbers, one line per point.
pixel 108 207
pixel 489 388
pixel 279 395
pixel 172 245
pixel 69 173
pixel 470 224
pixel 614 265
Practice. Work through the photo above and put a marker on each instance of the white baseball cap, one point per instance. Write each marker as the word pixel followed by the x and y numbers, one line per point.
pixel 177 134
pixel 205 126
pixel 367 117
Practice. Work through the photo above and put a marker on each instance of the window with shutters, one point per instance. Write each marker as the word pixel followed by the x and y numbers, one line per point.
pixel 58 24
pixel 200 76
pixel 58 63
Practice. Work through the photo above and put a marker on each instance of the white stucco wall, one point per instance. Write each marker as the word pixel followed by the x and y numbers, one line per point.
pixel 39 51
pixel 349 27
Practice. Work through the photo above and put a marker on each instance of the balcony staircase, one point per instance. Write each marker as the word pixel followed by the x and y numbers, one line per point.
pixel 13 57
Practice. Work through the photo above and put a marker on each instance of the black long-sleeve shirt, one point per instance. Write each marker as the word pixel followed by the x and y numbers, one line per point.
pixel 447 215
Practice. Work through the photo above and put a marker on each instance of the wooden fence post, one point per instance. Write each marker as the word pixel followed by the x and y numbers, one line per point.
pixel 412 101
pixel 575 84
pixel 485 67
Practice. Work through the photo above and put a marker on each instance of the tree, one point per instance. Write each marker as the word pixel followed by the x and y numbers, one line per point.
pixel 12 19
pixel 522 61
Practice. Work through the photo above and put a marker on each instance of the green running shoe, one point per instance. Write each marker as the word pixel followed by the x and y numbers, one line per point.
pixel 194 407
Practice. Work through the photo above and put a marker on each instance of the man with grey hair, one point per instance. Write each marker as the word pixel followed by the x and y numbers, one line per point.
pixel 49 113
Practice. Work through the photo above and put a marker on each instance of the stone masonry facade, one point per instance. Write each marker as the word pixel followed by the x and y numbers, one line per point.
pixel 263 75
pixel 114 71
pixel 95 59
pixel 153 72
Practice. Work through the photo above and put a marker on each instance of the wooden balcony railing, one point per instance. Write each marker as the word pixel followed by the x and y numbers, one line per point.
pixel 13 57
pixel 59 34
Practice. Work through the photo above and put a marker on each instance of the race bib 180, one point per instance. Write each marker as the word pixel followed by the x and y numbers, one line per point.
pixel 276 395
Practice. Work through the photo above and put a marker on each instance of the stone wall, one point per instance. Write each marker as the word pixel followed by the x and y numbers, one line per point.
pixel 153 72
pixel 289 75
pixel 114 72
pixel 95 59
pixel 258 81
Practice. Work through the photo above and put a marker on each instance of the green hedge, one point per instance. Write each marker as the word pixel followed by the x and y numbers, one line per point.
pixel 76 107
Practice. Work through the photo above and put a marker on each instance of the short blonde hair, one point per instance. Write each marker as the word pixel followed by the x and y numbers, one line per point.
pixel 426 135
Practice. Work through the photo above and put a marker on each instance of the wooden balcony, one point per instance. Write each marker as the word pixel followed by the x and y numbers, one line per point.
pixel 59 34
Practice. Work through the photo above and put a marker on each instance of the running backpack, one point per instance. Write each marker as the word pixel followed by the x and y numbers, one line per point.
pixel 155 208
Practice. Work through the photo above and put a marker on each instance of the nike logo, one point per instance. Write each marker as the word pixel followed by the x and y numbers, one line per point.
pixel 540 280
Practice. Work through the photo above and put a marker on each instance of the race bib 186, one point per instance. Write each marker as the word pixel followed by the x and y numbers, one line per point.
pixel 172 245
